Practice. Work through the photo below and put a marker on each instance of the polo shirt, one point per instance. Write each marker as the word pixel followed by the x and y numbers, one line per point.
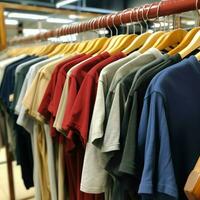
pixel 6 62
pixel 92 154
pixel 124 183
pixel 140 61
pixel 7 85
pixel 75 81
pixel 170 115
pixel 48 95
pixel 35 92
pixel 81 111
pixel 24 119
pixel 37 88
pixel 134 106
pixel 20 75
pixel 27 122
pixel 63 101
pixel 76 154
pixel 53 105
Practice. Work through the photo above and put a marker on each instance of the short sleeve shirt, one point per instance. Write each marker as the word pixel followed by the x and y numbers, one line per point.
pixel 75 80
pixel 83 106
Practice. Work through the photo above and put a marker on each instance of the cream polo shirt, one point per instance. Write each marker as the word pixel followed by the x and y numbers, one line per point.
pixel 6 62
pixel 24 119
pixel 63 101
pixel 35 92
pixel 94 177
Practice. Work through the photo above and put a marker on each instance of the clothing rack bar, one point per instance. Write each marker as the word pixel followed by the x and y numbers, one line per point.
pixel 148 11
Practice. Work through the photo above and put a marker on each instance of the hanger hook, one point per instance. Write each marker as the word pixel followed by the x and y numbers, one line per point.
pixel 158 10
pixel 132 11
pixel 147 16
pixel 120 17
pixel 141 28
pixel 107 17
pixel 113 22
pixel 121 22
pixel 197 9
pixel 98 21
pixel 131 21
pixel 145 21
pixel 101 18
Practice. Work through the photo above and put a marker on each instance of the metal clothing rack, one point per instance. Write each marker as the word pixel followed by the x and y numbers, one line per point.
pixel 145 12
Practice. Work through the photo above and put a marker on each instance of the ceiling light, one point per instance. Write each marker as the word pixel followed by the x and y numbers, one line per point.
pixel 188 22
pixel 76 16
pixel 5 13
pixel 11 22
pixel 65 2
pixel 59 20
pixel 28 32
pixel 161 24
pixel 103 32
pixel 27 16
pixel 65 38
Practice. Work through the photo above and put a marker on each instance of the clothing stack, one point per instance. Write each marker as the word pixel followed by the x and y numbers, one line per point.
pixel 103 126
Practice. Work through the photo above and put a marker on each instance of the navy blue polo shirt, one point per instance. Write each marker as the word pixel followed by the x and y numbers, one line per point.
pixel 7 86
pixel 168 136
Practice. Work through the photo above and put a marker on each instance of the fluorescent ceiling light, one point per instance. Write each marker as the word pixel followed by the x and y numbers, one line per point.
pixel 76 17
pixel 5 13
pixel 27 16
pixel 65 38
pixel 28 32
pixel 11 22
pixel 188 22
pixel 103 32
pixel 157 25
pixel 59 20
pixel 65 2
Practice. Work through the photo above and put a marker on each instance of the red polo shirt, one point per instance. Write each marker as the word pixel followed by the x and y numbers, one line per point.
pixel 75 80
pixel 48 95
pixel 81 113
pixel 56 90
pixel 74 151
pixel 80 116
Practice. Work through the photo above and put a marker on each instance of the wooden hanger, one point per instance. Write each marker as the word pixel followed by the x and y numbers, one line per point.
pixel 160 39
pixel 123 43
pixel 137 43
pixel 198 56
pixel 152 39
pixel 106 44
pixel 58 49
pixel 194 44
pixel 82 46
pixel 98 44
pixel 48 49
pixel 186 40
pixel 192 186
pixel 173 37
pixel 67 48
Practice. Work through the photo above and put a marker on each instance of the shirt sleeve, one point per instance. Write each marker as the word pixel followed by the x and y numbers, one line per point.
pixel 43 108
pixel 30 93
pixel 154 149
pixel 82 108
pixel 111 141
pixel 97 126
pixel 72 93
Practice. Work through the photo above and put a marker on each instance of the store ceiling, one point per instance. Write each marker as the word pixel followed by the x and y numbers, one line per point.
pixel 95 6
pixel 102 4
